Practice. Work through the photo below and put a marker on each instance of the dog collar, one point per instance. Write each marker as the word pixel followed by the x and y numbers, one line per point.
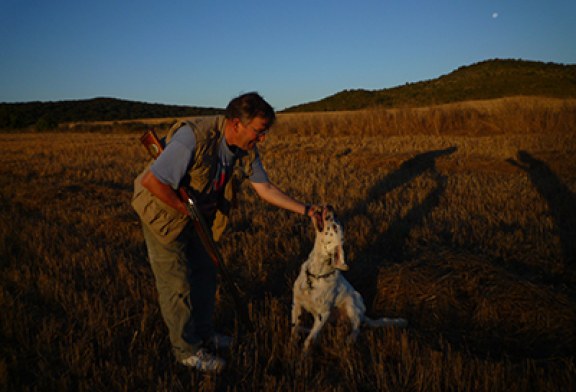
pixel 317 277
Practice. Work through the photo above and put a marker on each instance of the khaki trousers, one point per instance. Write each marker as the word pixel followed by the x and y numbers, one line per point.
pixel 186 284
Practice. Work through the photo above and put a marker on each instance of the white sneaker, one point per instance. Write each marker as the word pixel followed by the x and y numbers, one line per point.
pixel 204 361
pixel 219 341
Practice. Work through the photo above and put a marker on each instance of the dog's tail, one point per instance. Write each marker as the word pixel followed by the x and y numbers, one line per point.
pixel 385 322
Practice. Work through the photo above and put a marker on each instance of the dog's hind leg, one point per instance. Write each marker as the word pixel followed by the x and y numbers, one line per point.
pixel 354 308
pixel 356 320
pixel 319 321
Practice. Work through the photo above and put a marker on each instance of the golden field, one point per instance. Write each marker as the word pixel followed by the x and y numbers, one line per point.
pixel 460 218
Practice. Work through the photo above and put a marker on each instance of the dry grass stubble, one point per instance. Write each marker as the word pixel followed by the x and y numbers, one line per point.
pixel 469 239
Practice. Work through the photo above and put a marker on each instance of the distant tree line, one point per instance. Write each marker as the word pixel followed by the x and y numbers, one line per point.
pixel 47 115
pixel 485 80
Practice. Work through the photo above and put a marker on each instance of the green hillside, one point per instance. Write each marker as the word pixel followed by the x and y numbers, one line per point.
pixel 46 115
pixel 485 80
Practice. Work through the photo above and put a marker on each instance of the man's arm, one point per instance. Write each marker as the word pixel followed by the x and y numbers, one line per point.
pixel 273 195
pixel 163 192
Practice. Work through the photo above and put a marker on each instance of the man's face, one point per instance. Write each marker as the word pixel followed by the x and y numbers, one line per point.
pixel 250 134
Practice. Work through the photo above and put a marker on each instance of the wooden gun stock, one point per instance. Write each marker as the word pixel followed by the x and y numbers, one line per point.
pixel 153 145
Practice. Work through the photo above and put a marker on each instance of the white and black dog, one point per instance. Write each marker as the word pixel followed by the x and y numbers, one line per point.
pixel 320 288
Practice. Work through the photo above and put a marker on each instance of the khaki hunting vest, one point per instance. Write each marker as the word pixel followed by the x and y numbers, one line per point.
pixel 167 223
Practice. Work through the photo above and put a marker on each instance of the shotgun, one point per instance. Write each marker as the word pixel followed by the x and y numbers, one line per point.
pixel 155 147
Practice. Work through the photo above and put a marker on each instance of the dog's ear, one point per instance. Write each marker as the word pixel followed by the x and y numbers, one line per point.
pixel 328 213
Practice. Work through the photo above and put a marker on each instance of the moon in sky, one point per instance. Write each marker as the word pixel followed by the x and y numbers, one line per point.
pixel 494 15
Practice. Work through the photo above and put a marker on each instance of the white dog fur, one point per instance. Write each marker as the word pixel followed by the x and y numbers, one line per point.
pixel 320 288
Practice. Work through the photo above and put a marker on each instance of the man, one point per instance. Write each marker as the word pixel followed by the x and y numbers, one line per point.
pixel 211 156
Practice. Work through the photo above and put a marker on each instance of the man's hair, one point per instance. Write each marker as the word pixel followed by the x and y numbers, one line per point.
pixel 248 106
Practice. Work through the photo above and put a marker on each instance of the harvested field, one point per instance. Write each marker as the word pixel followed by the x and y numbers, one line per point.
pixel 470 235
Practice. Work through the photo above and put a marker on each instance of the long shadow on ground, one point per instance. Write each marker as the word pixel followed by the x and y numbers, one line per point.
pixel 560 199
pixel 390 245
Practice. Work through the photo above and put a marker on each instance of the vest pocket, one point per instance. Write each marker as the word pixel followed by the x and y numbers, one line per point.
pixel 165 222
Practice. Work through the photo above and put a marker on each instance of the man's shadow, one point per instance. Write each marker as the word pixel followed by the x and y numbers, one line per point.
pixel 560 199
pixel 390 245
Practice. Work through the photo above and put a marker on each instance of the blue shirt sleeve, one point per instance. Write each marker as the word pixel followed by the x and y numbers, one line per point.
pixel 258 172
pixel 172 165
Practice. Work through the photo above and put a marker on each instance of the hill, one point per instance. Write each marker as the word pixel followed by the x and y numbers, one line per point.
pixel 485 80
pixel 46 115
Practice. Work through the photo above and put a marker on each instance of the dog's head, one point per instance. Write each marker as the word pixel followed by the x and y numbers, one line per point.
pixel 330 233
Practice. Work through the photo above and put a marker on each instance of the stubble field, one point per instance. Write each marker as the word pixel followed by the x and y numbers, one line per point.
pixel 459 218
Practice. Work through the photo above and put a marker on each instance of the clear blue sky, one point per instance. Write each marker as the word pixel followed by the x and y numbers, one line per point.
pixel 205 52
